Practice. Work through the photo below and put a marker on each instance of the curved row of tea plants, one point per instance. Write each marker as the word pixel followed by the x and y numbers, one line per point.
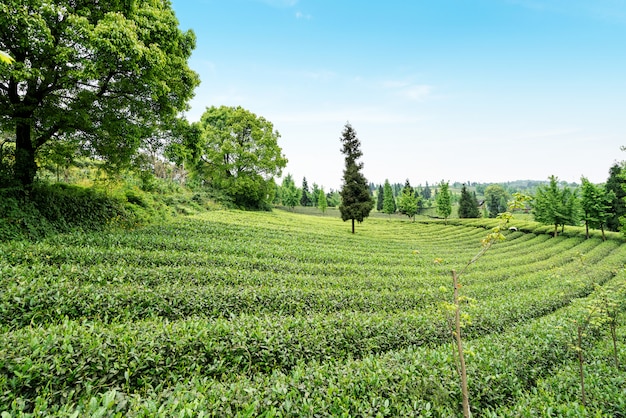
pixel 504 368
pixel 231 307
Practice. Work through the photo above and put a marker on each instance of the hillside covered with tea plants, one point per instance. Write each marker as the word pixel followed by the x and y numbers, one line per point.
pixel 233 313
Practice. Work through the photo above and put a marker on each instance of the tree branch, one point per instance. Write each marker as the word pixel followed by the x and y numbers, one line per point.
pixel 45 137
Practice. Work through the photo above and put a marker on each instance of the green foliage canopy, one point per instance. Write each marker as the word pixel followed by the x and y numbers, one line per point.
pixel 239 154
pixel 616 183
pixel 315 194
pixel 408 201
pixel 444 200
pixel 306 199
pixel 556 206
pixel 322 204
pixel 389 203
pixel 356 202
pixel 468 205
pixel 495 199
pixel 596 205
pixel 102 77
pixel 289 194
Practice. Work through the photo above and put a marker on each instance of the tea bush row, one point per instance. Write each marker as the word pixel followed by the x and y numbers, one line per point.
pixel 72 356
pixel 503 369
pixel 39 299
pixel 40 302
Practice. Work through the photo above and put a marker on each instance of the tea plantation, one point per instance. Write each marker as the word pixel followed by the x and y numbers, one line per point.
pixel 278 314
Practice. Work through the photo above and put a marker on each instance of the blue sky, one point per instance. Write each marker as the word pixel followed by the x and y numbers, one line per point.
pixel 463 90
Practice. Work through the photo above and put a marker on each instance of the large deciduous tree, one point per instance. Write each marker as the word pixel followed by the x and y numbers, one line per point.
pixel 99 77
pixel 356 202
pixel 239 154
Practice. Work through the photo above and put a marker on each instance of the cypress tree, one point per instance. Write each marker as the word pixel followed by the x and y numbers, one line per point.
pixel 468 206
pixel 426 192
pixel 356 202
pixel 305 200
pixel 389 203
pixel 380 197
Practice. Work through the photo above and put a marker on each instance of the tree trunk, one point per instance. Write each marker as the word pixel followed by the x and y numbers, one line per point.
pixel 556 230
pixel 353 226
pixel 25 165
pixel 586 229
pixel 603 234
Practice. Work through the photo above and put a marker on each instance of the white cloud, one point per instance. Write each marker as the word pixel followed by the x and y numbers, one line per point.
pixel 417 92
pixel 306 16
pixel 409 90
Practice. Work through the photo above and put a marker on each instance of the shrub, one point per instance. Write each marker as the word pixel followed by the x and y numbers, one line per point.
pixel 48 209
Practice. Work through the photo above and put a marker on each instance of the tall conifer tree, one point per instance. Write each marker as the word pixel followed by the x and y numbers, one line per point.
pixel 389 202
pixel 356 202
pixel 468 206
pixel 426 192
pixel 305 200
pixel 379 200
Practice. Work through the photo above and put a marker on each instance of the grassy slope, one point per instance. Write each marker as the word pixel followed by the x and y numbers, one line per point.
pixel 237 313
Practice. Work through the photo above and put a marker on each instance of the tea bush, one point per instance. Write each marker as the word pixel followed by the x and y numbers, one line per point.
pixel 229 313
